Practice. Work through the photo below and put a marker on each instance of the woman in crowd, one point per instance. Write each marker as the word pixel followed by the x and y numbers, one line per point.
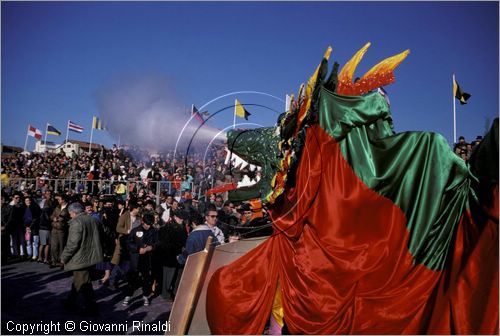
pixel 32 213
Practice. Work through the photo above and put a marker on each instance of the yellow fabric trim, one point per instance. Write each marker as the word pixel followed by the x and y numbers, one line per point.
pixel 277 311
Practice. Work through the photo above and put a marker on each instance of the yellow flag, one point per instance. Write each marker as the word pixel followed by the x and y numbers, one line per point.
pixel 240 111
pixel 97 124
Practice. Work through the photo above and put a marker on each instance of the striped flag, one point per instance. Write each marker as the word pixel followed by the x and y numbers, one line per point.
pixel 34 132
pixel 97 124
pixel 52 130
pixel 74 127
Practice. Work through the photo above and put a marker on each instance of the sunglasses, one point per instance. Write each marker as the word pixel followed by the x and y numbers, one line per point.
pixel 212 216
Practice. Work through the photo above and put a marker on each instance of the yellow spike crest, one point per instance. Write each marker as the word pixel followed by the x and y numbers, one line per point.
pixel 379 75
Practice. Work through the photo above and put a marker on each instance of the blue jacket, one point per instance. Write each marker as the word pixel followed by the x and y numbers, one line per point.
pixel 196 242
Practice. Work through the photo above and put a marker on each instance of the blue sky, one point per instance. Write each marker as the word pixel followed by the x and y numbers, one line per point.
pixel 117 60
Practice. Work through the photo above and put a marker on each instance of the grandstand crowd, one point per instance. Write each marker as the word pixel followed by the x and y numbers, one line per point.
pixel 165 198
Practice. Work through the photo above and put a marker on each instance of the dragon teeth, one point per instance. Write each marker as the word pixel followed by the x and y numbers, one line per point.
pixel 237 161
pixel 246 182
pixel 228 156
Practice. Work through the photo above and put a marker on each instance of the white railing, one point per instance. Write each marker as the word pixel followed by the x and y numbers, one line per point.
pixel 100 187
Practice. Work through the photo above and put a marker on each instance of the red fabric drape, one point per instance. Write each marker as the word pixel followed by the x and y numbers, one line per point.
pixel 467 295
pixel 340 253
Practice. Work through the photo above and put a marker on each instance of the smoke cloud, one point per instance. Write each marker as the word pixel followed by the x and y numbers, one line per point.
pixel 145 111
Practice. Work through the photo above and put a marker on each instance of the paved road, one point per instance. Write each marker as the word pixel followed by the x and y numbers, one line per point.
pixel 32 295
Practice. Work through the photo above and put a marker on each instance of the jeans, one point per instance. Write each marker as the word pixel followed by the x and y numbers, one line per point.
pixel 32 246
pixel 118 272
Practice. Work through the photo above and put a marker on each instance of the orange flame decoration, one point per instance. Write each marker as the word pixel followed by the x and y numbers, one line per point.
pixel 379 75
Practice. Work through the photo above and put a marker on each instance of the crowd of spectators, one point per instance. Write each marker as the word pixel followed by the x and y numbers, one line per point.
pixel 146 237
pixel 464 149
pixel 110 169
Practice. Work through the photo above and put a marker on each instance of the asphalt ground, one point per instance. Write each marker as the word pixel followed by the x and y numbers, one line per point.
pixel 32 296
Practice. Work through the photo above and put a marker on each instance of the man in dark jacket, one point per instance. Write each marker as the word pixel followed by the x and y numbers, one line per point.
pixel 5 235
pixel 14 225
pixel 141 242
pixel 83 250
pixel 171 239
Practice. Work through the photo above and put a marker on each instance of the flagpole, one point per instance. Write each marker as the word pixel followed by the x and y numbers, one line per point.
pixel 119 138
pixel 91 134
pixel 45 141
pixel 454 113
pixel 67 131
pixel 234 117
pixel 26 142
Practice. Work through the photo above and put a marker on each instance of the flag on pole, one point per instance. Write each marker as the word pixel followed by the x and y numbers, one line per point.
pixel 74 127
pixel 52 130
pixel 197 115
pixel 34 132
pixel 459 94
pixel 240 111
pixel 97 124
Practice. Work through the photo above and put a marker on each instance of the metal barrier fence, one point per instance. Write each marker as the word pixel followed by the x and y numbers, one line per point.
pixel 106 187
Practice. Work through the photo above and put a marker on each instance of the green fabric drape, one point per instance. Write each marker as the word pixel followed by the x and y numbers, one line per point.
pixel 416 170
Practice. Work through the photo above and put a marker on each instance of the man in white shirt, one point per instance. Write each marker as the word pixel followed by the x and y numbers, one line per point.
pixel 165 208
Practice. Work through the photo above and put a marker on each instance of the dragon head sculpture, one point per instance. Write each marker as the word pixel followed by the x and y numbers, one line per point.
pixel 267 157
pixel 255 153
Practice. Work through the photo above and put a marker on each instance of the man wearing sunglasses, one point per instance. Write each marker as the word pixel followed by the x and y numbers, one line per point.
pixel 211 215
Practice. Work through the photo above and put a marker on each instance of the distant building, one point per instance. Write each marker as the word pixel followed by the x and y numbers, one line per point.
pixel 42 147
pixel 79 147
pixel 8 151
